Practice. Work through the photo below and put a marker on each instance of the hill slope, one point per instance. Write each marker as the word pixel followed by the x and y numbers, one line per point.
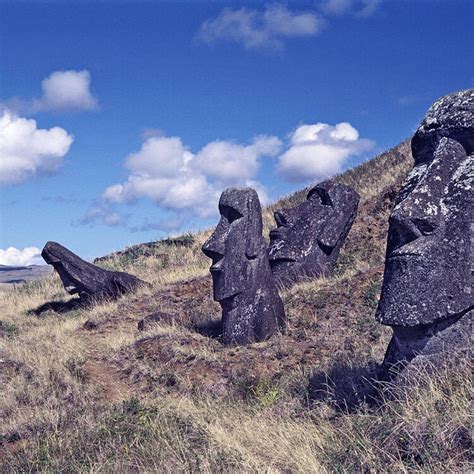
pixel 86 390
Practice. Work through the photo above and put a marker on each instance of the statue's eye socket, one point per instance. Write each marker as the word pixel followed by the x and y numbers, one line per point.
pixel 322 194
pixel 424 226
pixel 231 214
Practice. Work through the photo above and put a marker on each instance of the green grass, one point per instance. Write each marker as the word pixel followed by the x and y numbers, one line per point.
pixel 113 399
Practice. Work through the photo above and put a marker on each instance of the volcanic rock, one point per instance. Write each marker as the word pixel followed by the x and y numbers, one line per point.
pixel 243 283
pixel 427 294
pixel 84 278
pixel 309 237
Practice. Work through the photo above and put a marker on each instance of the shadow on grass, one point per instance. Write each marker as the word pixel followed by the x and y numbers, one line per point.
pixel 211 328
pixel 59 306
pixel 347 387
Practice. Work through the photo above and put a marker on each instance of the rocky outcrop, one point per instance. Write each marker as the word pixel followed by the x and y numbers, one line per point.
pixel 243 283
pixel 427 295
pixel 84 278
pixel 308 237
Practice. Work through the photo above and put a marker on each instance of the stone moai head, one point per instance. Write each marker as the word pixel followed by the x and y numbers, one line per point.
pixel 430 240
pixel 309 236
pixel 427 289
pixel 68 266
pixel 84 278
pixel 243 284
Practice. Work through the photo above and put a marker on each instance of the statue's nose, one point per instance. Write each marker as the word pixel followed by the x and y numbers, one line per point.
pixel 404 230
pixel 214 246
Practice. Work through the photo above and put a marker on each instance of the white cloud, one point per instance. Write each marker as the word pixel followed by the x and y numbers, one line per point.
pixel 159 156
pixel 165 171
pixel 62 91
pixel 319 151
pixel 231 163
pixel 256 29
pixel 188 185
pixel 16 257
pixel 66 90
pixel 26 150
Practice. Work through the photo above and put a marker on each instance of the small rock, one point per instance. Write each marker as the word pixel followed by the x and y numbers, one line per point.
pixel 90 325
pixel 148 321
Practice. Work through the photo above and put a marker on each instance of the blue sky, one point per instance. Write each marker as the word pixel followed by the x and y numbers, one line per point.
pixel 123 121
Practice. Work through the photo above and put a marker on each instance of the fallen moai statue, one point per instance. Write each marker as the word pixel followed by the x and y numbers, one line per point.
pixel 84 278
pixel 309 236
pixel 244 286
pixel 427 295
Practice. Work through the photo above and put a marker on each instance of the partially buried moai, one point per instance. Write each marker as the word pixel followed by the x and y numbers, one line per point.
pixel 309 236
pixel 85 279
pixel 252 310
pixel 427 294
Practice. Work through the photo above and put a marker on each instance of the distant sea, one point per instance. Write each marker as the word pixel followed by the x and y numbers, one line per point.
pixel 11 276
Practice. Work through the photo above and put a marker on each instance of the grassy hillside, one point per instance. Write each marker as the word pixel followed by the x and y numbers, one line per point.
pixel 85 390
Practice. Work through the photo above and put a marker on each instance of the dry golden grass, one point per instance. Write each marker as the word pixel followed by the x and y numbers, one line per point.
pixel 77 400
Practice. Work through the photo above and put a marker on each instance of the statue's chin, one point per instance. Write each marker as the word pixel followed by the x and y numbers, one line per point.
pixel 226 298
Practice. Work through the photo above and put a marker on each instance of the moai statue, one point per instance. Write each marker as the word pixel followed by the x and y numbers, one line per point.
pixel 309 237
pixel 252 310
pixel 427 295
pixel 84 278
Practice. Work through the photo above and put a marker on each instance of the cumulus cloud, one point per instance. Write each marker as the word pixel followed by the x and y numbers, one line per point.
pixel 187 185
pixel 231 163
pixel 319 151
pixel 62 91
pixel 16 257
pixel 165 171
pixel 26 150
pixel 256 29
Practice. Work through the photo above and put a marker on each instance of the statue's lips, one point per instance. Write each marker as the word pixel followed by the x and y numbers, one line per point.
pixel 402 254
pixel 216 268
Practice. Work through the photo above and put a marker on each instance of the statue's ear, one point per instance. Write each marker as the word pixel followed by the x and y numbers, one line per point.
pixel 254 228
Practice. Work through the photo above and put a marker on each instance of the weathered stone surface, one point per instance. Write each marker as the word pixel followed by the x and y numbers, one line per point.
pixel 309 237
pixel 410 344
pixel 84 278
pixel 427 286
pixel 243 283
